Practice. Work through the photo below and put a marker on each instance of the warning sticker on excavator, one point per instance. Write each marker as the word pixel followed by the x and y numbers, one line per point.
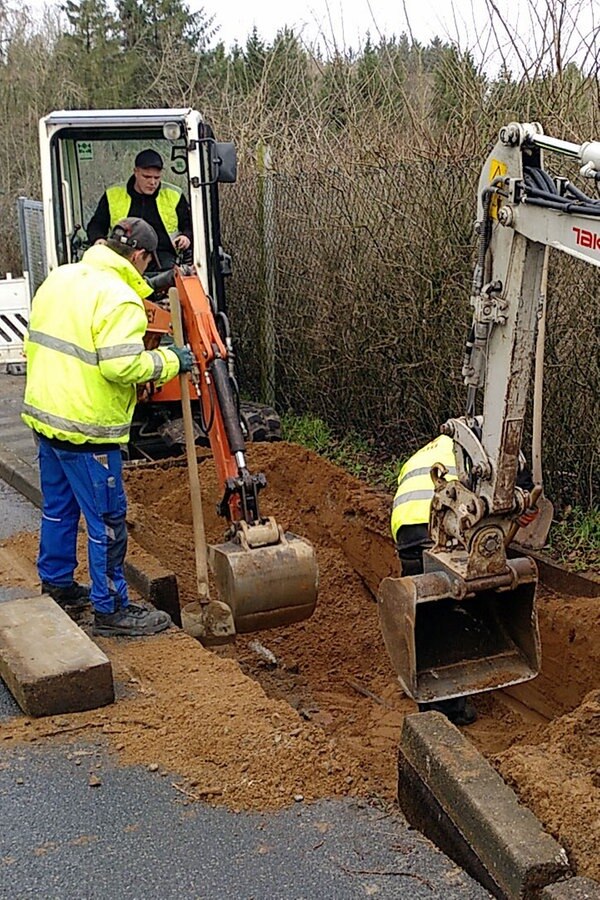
pixel 497 169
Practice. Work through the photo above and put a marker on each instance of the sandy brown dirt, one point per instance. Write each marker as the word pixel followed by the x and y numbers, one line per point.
pixel 559 779
pixel 333 680
pixel 183 710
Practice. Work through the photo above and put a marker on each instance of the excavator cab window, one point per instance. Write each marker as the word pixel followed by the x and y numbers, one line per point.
pixel 86 162
pixel 87 159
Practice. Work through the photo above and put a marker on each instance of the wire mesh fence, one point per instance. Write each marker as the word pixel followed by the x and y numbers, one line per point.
pixel 350 301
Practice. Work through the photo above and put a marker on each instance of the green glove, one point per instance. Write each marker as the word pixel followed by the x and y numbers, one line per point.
pixel 185 357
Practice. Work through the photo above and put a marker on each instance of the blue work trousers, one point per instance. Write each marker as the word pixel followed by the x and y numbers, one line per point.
pixel 90 483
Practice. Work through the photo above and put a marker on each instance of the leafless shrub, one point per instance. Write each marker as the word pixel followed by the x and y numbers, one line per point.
pixel 376 157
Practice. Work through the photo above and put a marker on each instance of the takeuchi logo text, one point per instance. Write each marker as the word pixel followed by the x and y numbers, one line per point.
pixel 586 238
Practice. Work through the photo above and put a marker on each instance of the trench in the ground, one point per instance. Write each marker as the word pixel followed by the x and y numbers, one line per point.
pixel 333 669
pixel 330 665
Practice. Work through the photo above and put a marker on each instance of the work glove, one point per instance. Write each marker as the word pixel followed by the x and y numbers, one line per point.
pixel 185 357
pixel 527 517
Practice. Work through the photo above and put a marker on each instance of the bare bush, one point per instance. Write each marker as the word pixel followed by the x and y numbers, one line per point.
pixel 376 158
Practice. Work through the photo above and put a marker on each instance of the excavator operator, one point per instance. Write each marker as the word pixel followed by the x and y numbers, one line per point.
pixel 410 531
pixel 147 197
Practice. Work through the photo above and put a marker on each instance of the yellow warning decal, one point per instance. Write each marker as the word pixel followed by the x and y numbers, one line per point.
pixel 497 169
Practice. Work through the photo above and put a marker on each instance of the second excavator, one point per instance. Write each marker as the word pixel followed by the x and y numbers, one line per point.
pixel 469 623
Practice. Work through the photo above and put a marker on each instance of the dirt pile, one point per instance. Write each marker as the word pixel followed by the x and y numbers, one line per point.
pixel 559 779
pixel 337 705
pixel 184 710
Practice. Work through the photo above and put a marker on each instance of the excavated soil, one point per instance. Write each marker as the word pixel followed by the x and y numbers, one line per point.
pixel 324 717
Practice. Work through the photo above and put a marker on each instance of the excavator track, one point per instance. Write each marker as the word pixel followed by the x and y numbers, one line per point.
pixel 260 423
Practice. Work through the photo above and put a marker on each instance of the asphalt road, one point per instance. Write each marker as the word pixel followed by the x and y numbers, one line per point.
pixel 134 836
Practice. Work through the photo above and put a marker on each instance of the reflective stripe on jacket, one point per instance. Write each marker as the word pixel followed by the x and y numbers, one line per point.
pixel 167 198
pixel 412 502
pixel 85 351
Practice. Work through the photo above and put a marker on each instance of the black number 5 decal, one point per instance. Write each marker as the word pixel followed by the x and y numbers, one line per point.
pixel 179 155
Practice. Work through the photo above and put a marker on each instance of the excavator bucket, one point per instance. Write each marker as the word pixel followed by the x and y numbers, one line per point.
pixel 267 577
pixel 449 638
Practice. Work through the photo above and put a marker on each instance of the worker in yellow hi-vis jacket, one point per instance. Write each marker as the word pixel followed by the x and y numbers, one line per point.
pixel 85 355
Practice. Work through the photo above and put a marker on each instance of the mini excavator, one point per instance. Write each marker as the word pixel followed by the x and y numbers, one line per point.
pixel 469 622
pixel 267 577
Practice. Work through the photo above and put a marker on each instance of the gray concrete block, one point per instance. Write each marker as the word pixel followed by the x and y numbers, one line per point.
pixel 560 579
pixel 48 663
pixel 572 889
pixel 22 474
pixel 451 793
pixel 156 584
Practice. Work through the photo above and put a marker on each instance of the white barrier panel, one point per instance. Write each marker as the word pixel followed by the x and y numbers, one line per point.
pixel 14 316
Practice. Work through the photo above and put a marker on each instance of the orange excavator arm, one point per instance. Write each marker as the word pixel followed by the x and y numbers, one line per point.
pixel 213 384
pixel 267 577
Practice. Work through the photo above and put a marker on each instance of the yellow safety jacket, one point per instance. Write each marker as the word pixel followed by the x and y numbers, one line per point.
pixel 85 351
pixel 412 502
pixel 119 203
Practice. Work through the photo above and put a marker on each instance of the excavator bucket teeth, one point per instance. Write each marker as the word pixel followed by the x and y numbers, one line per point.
pixel 443 648
pixel 268 586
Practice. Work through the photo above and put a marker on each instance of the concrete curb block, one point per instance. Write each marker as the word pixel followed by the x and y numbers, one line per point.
pixel 20 475
pixel 450 792
pixel 146 575
pixel 48 663
pixel 556 577
pixel 573 889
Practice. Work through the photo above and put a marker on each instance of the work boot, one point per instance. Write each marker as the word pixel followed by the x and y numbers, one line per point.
pixel 459 710
pixel 131 621
pixel 74 598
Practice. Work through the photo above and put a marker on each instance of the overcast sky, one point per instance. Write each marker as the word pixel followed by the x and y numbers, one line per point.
pixel 344 21
pixel 344 24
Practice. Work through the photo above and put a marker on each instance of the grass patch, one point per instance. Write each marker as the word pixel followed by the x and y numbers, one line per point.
pixel 351 452
pixel 575 540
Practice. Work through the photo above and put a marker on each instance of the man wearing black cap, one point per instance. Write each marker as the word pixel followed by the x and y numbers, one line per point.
pixel 162 205
pixel 85 355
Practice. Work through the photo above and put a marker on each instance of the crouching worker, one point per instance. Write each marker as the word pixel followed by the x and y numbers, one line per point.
pixel 410 531
pixel 85 355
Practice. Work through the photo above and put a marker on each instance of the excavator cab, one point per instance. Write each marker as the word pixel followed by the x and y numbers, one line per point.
pixel 85 152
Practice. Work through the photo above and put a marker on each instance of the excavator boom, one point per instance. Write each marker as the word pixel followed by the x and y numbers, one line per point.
pixel 266 576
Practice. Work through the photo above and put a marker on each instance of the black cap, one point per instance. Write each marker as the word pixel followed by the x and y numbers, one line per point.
pixel 137 234
pixel 148 159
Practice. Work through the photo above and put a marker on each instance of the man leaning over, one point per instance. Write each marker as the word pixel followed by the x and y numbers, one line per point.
pixel 85 356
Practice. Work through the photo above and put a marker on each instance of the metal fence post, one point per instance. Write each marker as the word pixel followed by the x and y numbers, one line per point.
pixel 266 213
